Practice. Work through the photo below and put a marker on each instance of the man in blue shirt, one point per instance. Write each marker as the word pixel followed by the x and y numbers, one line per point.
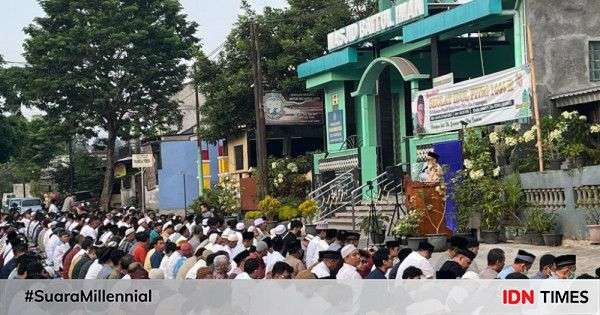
pixel 523 262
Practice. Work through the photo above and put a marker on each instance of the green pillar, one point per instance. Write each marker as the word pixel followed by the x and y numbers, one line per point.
pixel 397 86
pixel 368 137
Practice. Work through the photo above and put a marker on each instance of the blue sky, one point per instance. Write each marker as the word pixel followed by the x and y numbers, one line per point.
pixel 215 18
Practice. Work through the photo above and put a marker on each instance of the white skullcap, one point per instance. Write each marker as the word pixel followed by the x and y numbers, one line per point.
pixel 204 222
pixel 106 222
pixel 279 230
pixel 112 244
pixel 140 229
pixel 142 220
pixel 132 208
pixel 181 239
pixel 347 250
pixel 148 220
pixel 52 224
pixel 129 231
pixel 226 231
pixel 240 226
pixel 232 237
pixel 87 220
pixel 258 221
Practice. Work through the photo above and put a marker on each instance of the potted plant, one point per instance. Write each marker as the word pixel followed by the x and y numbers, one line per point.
pixel 309 211
pixel 269 206
pixel 550 235
pixel 374 226
pixel 536 224
pixel 593 221
pixel 407 229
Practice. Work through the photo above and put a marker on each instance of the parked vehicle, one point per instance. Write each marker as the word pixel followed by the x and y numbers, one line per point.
pixel 5 198
pixel 24 204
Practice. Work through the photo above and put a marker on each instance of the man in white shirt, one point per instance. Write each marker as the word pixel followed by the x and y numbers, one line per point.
pixel 316 245
pixel 61 249
pixel 351 259
pixel 251 270
pixel 235 246
pixel 419 259
pixel 90 228
pixel 53 242
pixel 276 255
pixel 329 262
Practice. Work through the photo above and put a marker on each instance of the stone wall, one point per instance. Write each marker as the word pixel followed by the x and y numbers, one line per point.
pixel 561 31
pixel 568 193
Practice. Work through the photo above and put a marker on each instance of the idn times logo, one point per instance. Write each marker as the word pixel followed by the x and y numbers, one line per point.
pixel 519 297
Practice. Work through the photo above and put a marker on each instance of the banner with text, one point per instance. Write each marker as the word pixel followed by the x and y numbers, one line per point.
pixel 293 109
pixel 418 297
pixel 490 99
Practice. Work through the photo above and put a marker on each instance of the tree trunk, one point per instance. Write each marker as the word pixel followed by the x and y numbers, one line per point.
pixel 71 166
pixel 107 184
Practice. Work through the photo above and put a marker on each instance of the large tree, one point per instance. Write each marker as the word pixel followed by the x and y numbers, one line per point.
pixel 114 64
pixel 287 37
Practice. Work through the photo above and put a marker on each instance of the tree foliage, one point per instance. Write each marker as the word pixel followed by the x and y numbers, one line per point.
pixel 88 173
pixel 113 64
pixel 287 37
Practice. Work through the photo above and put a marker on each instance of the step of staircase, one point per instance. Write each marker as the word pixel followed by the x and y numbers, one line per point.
pixel 343 220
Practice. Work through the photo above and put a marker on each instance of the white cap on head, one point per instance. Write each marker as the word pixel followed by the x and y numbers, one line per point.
pixel 232 237
pixel 225 234
pixel 205 222
pixel 166 225
pixel 140 229
pixel 258 221
pixel 240 226
pixel 347 250
pixel 178 227
pixel 141 221
pixel 132 208
pixel 226 231
pixel 129 231
pixel 279 230
pixel 106 222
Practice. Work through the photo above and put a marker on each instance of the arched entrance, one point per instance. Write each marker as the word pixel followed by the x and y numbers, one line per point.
pixel 385 115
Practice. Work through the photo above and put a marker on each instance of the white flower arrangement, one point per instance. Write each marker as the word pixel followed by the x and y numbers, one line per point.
pixel 496 172
pixel 476 174
pixel 515 126
pixel 468 164
pixel 273 165
pixel 494 138
pixel 555 135
pixel 292 167
pixel 529 135
pixel 595 128
pixel 511 142
pixel 582 117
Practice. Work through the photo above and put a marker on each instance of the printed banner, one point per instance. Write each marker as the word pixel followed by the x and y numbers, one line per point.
pixel 293 109
pixel 418 297
pixel 490 99
pixel 335 126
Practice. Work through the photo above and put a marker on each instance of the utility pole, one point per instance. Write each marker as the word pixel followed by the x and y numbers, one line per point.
pixel 261 141
pixel 200 165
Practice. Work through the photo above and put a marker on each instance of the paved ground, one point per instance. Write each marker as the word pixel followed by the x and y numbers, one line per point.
pixel 588 256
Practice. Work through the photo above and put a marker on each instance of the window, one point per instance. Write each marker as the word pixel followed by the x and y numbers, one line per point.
pixel 595 61
pixel 238 152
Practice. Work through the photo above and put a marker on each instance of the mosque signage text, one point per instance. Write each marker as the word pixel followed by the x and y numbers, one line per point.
pixel 375 24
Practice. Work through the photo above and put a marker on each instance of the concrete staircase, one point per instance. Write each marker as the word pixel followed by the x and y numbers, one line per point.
pixel 342 220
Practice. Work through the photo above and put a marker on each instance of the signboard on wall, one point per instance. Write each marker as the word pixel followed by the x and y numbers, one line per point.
pixel 335 126
pixel 142 160
pixel 293 109
pixel 150 180
pixel 385 20
pixel 490 99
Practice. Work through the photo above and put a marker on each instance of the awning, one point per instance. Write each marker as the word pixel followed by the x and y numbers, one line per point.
pixel 587 95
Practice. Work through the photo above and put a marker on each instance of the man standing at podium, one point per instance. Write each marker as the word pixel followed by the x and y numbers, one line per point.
pixel 432 172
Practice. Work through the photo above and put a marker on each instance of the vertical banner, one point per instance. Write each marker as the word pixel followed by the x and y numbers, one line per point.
pixel 451 159
pixel 335 125
pixel 490 99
